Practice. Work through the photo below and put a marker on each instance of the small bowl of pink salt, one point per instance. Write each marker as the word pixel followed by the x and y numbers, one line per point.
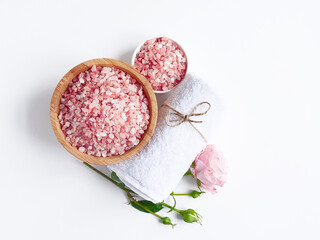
pixel 162 61
pixel 103 111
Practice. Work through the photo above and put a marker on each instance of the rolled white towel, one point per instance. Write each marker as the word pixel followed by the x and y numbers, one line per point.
pixel 157 169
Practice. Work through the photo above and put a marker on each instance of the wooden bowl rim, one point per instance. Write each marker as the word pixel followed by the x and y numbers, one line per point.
pixel 62 86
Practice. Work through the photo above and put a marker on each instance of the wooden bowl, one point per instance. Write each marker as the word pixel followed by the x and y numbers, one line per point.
pixel 61 88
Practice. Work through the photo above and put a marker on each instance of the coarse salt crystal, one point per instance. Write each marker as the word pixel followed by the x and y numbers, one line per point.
pixel 133 131
pixel 111 136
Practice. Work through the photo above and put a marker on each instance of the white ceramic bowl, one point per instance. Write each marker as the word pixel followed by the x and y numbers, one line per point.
pixel 138 49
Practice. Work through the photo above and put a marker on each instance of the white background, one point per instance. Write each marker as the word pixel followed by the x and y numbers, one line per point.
pixel 260 57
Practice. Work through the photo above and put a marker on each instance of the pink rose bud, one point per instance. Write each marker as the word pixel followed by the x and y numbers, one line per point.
pixel 210 168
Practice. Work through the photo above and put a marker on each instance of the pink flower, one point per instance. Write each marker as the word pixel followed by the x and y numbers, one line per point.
pixel 210 168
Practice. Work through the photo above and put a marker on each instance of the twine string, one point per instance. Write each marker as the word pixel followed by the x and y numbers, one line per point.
pixel 181 118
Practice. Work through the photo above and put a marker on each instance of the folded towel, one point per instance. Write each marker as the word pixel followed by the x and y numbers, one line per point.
pixel 157 169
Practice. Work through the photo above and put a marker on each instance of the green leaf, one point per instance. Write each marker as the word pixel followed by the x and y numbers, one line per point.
pixel 188 173
pixel 136 206
pixel 199 185
pixel 153 207
pixel 115 177
pixel 121 185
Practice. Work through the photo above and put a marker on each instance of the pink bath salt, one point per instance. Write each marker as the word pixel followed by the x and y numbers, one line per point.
pixel 104 112
pixel 162 62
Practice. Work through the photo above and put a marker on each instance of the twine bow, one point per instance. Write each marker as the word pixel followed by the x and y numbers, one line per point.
pixel 186 117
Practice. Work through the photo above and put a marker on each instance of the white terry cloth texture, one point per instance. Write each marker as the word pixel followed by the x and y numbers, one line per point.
pixel 155 171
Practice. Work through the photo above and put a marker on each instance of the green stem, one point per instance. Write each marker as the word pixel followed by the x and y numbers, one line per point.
pixel 186 194
pixel 180 194
pixel 105 176
pixel 168 206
